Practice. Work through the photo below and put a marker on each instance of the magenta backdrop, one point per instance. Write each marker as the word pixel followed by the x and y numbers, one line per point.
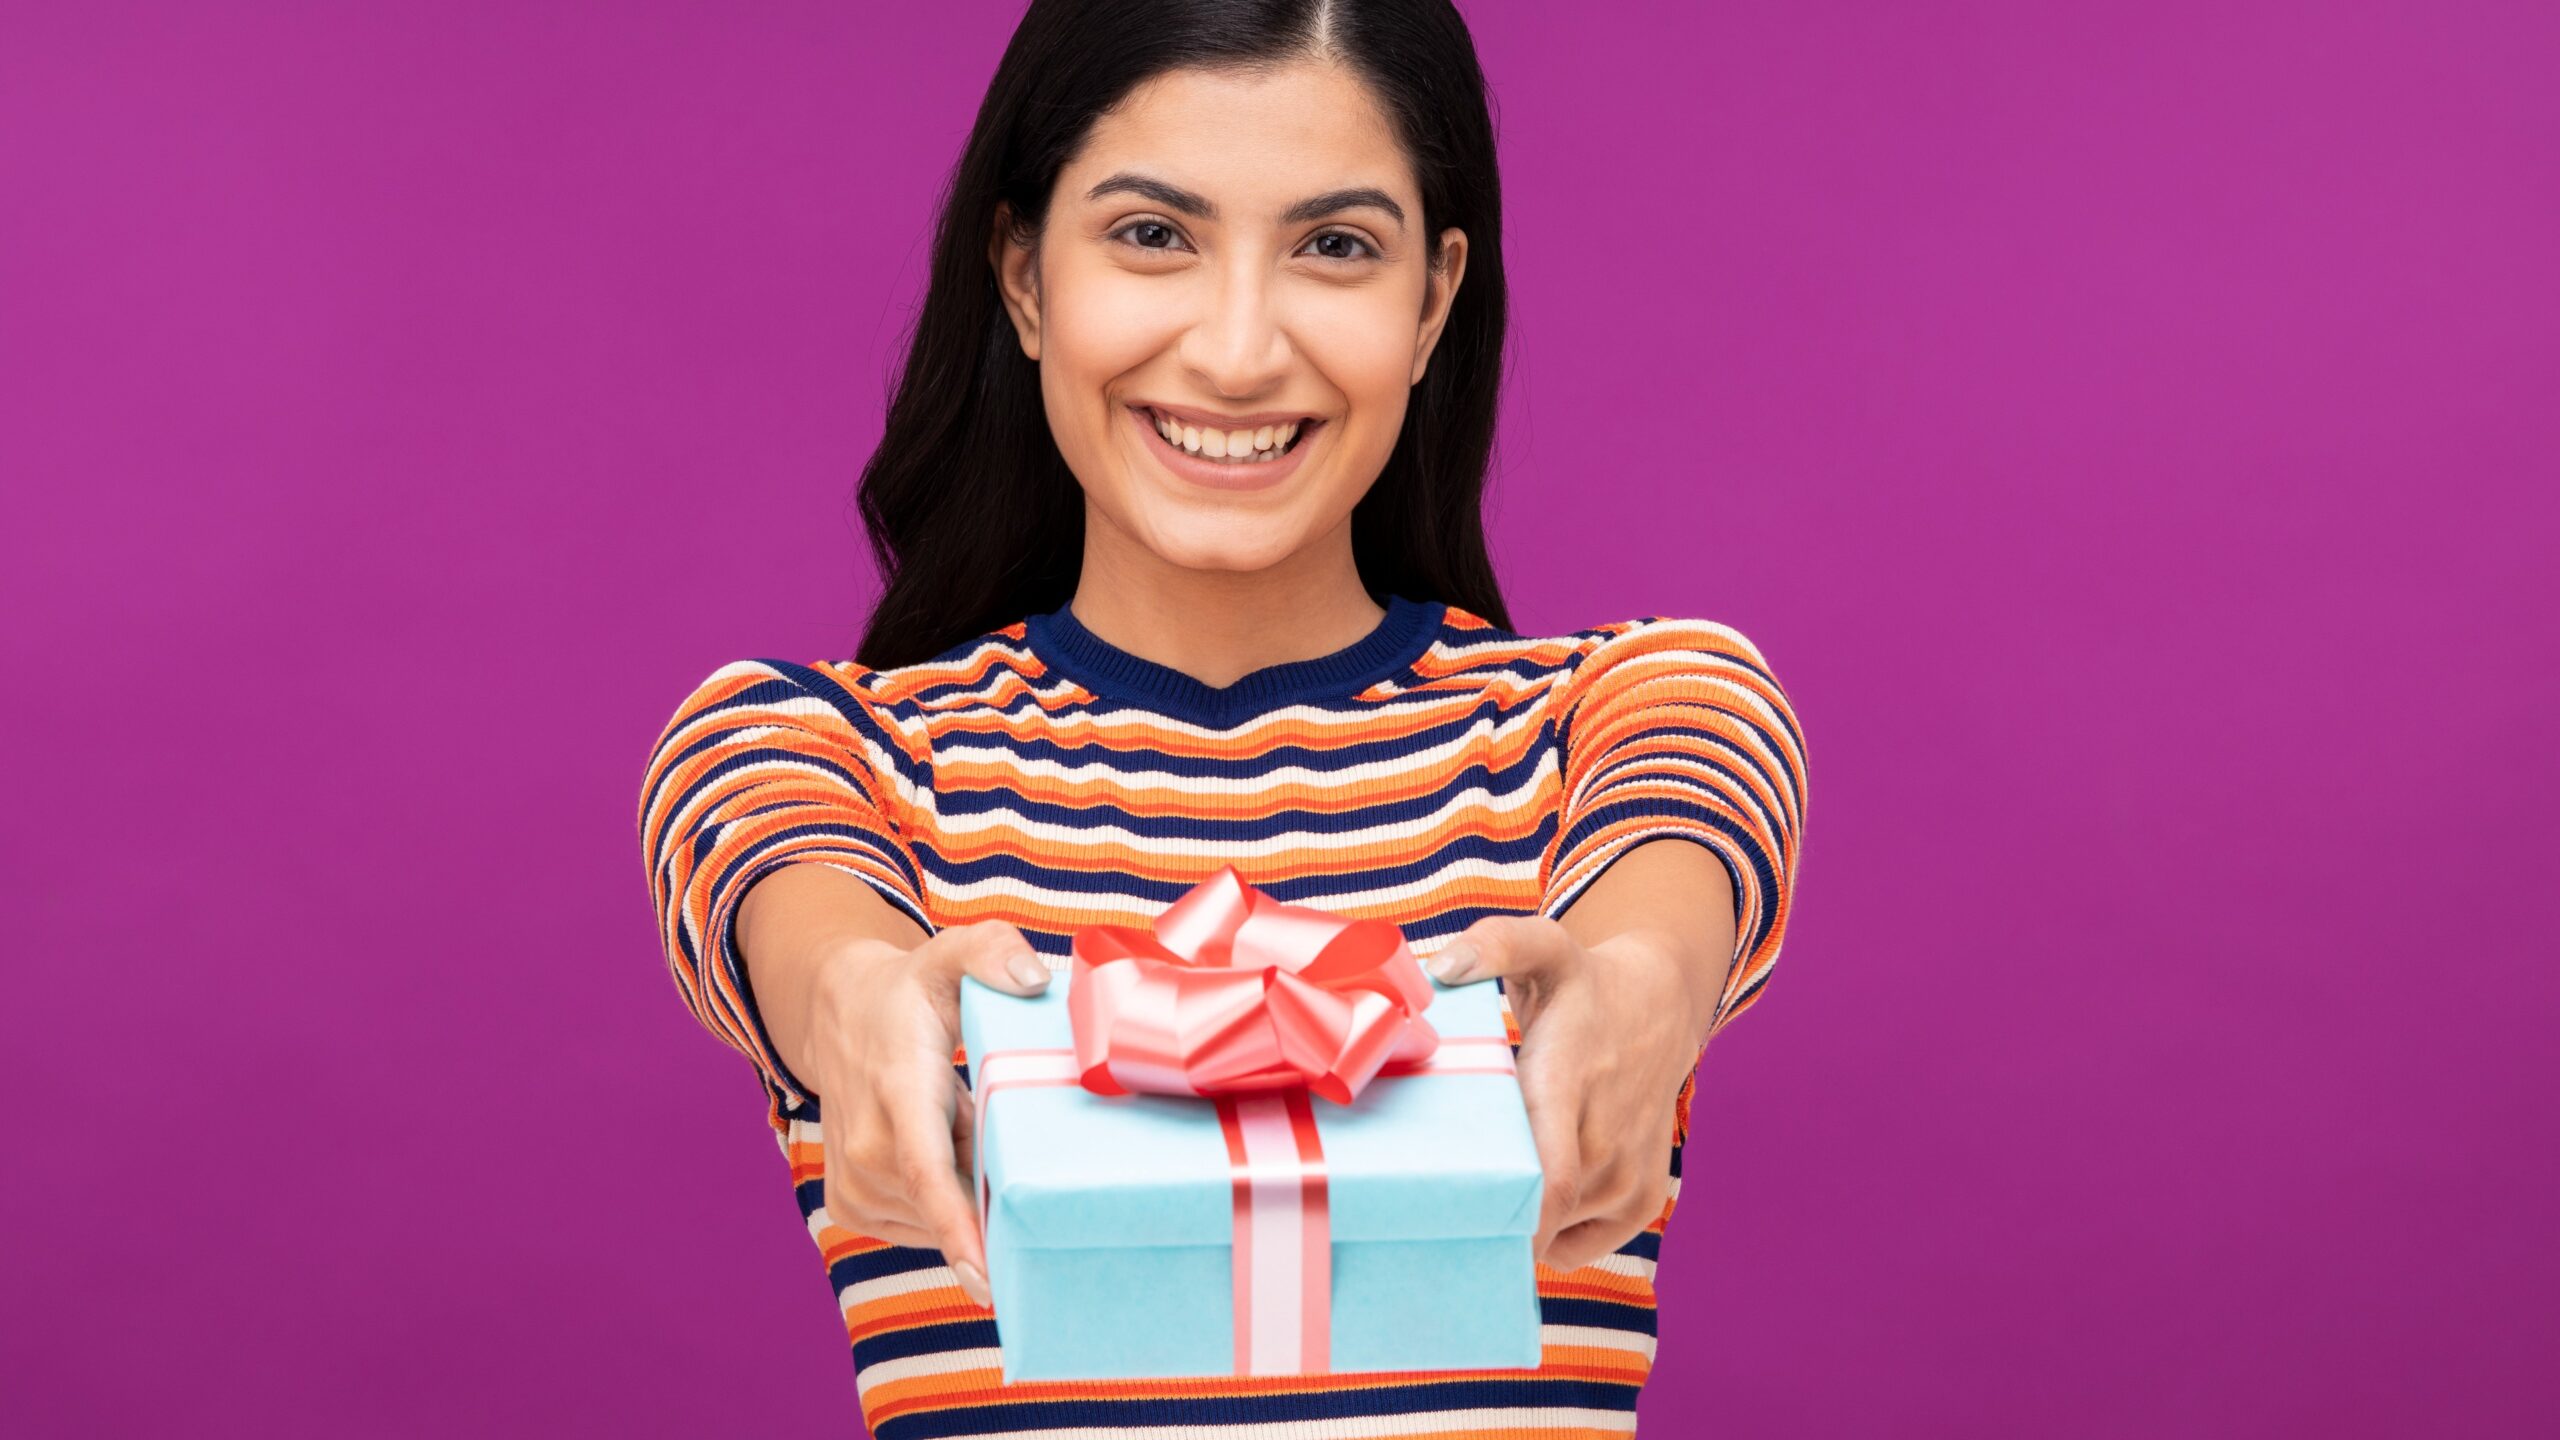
pixel 2128 429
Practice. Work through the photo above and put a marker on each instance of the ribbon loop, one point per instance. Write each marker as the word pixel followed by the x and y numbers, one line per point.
pixel 1232 991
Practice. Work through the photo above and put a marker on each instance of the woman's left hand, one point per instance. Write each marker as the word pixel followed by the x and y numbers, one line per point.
pixel 1608 1034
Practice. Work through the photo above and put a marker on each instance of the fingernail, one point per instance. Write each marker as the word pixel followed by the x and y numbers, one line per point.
pixel 974 1282
pixel 1452 962
pixel 1028 970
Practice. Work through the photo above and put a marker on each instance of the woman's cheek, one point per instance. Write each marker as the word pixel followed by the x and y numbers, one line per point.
pixel 1087 346
pixel 1364 346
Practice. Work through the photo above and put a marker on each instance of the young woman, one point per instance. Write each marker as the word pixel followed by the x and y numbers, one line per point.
pixel 1178 511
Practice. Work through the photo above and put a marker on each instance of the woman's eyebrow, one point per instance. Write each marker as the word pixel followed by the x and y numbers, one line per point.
pixel 1174 197
pixel 1332 201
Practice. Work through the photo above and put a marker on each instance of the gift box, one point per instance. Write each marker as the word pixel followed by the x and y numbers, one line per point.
pixel 1255 1140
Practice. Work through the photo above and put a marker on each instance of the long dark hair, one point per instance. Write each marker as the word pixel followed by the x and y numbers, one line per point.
pixel 974 518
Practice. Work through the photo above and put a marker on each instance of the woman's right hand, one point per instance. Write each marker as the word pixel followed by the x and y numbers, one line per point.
pixel 897 1125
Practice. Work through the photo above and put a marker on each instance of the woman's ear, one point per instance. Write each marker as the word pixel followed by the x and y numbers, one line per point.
pixel 1016 260
pixel 1442 282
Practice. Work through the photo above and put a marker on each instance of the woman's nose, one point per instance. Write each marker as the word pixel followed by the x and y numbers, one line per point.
pixel 1237 345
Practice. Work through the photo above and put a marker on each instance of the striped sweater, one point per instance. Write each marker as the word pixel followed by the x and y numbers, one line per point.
pixel 1439 770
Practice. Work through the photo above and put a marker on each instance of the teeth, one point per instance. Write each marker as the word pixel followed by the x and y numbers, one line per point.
pixel 1246 447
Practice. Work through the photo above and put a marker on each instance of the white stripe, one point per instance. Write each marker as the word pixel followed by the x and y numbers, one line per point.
pixel 863 1292
pixel 1050 776
pixel 1010 674
pixel 1599 1337
pixel 1009 1067
pixel 1493 650
pixel 883 1372
pixel 1279 1257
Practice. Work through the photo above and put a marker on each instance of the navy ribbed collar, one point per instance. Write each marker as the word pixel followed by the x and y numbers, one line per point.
pixel 1399 638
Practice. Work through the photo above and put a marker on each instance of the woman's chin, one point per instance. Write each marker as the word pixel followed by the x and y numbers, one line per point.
pixel 1182 536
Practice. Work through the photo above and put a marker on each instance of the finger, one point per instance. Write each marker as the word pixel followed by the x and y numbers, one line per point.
pixel 1498 945
pixel 993 952
pixel 964 1150
pixel 877 1226
pixel 1555 1126
pixel 861 1197
pixel 964 1133
pixel 1610 1186
pixel 921 1122
pixel 856 1196
pixel 1593 1239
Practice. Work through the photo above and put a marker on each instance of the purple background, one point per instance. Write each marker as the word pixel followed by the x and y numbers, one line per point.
pixel 2128 428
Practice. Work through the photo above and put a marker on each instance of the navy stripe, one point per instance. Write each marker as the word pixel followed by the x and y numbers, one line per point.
pixel 997 1416
pixel 875 1264
pixel 925 1340
pixel 1597 1314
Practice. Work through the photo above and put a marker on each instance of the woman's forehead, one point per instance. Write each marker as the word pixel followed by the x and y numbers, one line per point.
pixel 1252 143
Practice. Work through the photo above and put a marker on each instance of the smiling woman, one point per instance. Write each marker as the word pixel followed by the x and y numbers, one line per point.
pixel 1178 508
pixel 1230 274
pixel 1227 215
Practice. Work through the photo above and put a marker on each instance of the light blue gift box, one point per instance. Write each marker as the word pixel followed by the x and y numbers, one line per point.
pixel 1110 1221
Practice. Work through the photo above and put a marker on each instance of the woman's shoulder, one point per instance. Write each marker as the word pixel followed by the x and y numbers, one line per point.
pixel 1601 645
pixel 971 670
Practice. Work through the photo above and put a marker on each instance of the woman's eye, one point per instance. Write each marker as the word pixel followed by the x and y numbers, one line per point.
pixel 1149 235
pixel 1347 246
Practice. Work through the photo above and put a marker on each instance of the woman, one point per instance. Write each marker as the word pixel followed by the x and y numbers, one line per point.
pixel 1178 508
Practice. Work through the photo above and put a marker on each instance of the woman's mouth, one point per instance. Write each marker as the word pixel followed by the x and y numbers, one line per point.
pixel 1241 446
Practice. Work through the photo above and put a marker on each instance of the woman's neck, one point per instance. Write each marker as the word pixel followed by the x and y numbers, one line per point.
pixel 1217 625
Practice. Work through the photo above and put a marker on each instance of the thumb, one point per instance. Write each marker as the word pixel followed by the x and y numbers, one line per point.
pixel 991 952
pixel 1494 945
pixel 994 953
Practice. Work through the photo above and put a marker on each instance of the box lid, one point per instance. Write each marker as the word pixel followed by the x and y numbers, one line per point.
pixel 1426 1156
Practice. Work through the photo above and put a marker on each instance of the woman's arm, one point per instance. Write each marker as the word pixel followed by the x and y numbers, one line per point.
pixel 1668 905
pixel 792 924
pixel 770 765
pixel 1678 728
pixel 795 925
pixel 1641 952
pixel 865 1006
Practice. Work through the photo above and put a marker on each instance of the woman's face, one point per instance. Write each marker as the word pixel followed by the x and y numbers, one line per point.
pixel 1238 262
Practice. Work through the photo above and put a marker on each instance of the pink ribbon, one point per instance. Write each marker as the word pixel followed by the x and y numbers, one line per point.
pixel 1233 991
pixel 1255 1005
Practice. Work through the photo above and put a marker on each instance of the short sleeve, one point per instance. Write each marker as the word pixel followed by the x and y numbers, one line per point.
pixel 1678 727
pixel 769 763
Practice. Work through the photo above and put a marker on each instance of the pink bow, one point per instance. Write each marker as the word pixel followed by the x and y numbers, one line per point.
pixel 1234 991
